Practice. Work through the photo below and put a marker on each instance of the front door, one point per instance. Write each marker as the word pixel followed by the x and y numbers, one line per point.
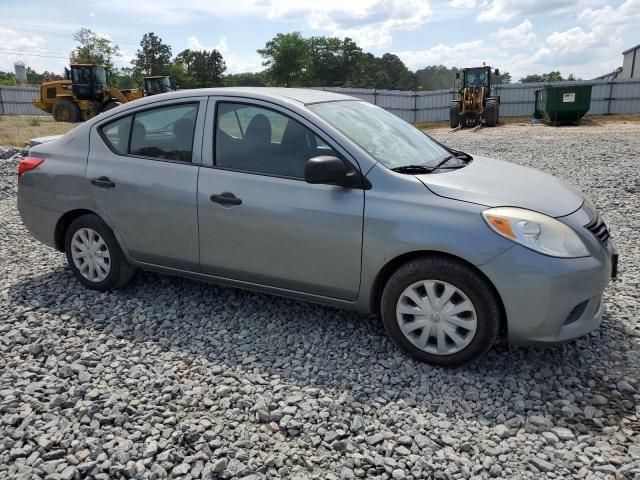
pixel 260 222
pixel 143 171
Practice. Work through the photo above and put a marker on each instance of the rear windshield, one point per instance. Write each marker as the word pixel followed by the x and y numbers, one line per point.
pixel 387 138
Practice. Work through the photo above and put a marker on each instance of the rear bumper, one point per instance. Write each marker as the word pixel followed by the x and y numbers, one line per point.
pixel 41 222
pixel 550 300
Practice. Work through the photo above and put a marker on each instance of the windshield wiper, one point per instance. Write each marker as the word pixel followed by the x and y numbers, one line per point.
pixel 413 169
pixel 426 169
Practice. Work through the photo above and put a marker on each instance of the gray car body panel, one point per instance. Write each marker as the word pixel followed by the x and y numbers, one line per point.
pixel 496 183
pixel 326 244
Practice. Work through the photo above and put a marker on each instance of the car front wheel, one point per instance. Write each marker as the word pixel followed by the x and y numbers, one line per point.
pixel 94 256
pixel 440 311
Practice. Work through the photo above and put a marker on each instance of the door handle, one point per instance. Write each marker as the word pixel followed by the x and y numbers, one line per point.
pixel 103 182
pixel 226 198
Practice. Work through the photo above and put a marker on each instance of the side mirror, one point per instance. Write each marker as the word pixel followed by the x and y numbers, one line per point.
pixel 497 72
pixel 326 170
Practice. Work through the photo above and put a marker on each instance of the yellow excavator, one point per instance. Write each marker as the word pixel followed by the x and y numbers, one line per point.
pixel 85 92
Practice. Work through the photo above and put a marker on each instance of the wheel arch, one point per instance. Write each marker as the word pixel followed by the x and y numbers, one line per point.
pixel 63 223
pixel 392 265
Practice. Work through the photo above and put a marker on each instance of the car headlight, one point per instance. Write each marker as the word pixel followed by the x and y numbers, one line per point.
pixel 536 231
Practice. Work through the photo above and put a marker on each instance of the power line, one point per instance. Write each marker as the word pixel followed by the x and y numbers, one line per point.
pixel 59 33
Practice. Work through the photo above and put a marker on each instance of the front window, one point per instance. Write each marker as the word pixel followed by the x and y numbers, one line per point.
pixel 476 77
pixel 259 140
pixel 100 76
pixel 387 138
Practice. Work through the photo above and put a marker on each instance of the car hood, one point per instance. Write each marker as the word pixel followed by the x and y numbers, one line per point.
pixel 495 183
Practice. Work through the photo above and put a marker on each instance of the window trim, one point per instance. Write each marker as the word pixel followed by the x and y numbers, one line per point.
pixel 249 103
pixel 196 101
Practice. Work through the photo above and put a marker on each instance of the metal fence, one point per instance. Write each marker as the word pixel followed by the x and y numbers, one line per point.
pixel 607 97
pixel 516 100
pixel 18 101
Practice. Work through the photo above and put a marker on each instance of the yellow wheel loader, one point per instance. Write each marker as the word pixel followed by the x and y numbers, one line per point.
pixel 85 92
pixel 474 104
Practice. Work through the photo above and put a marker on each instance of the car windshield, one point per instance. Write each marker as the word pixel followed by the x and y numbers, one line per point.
pixel 387 138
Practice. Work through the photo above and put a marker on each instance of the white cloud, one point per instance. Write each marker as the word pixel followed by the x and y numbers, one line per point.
pixel 462 3
pixel 235 63
pixel 372 22
pixel 505 10
pixel 465 54
pixel 30 49
pixel 519 36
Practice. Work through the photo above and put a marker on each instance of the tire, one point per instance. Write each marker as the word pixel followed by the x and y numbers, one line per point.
pixel 119 271
pixel 475 297
pixel 109 105
pixel 454 113
pixel 65 111
pixel 491 113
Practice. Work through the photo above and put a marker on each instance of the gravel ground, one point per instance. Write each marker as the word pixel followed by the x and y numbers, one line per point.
pixel 175 378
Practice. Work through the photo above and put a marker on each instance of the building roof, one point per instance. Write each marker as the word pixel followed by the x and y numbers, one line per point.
pixel 631 49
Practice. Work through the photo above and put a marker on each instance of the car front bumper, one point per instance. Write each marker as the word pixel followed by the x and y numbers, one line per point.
pixel 551 300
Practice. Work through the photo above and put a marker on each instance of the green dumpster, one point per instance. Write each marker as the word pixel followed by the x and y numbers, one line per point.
pixel 560 104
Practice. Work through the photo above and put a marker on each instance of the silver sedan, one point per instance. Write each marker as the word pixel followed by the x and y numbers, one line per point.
pixel 324 198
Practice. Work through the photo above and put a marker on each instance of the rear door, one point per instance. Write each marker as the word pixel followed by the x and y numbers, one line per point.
pixel 260 222
pixel 143 170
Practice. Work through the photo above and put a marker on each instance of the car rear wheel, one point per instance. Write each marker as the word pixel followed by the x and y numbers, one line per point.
pixel 440 311
pixel 94 256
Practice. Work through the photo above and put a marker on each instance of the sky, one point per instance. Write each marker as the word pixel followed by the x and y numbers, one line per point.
pixel 583 37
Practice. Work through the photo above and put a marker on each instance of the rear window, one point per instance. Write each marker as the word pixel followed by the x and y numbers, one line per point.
pixel 164 133
pixel 117 134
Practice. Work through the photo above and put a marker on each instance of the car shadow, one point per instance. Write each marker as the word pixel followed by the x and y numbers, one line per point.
pixel 316 346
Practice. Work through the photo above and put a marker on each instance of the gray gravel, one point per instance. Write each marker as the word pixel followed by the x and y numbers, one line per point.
pixel 179 379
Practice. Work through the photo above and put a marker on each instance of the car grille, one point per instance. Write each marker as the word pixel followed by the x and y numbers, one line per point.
pixel 599 228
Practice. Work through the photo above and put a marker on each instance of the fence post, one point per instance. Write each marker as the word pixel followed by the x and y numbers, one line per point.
pixel 610 97
pixel 1 103
pixel 415 107
pixel 375 96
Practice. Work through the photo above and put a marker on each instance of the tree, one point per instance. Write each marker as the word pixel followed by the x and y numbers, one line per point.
pixel 546 77
pixel 126 77
pixel 245 80
pixel 197 69
pixel 286 57
pixel 333 61
pixel 94 48
pixel 504 78
pixel 154 57
pixel 208 68
pixel 435 77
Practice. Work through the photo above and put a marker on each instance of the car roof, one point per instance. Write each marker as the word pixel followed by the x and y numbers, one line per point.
pixel 304 96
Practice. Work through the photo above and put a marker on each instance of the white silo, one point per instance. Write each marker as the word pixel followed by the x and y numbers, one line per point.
pixel 21 72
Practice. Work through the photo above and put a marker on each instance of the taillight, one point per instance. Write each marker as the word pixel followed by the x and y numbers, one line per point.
pixel 28 163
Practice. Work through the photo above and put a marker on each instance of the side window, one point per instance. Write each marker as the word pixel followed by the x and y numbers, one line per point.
pixel 259 140
pixel 117 134
pixel 164 133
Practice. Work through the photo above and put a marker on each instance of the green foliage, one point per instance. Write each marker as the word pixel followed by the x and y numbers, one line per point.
pixel 7 78
pixel 245 80
pixel 153 57
pixel 126 78
pixel 504 78
pixel 287 59
pixel 198 69
pixel 34 122
pixel 546 77
pixel 94 49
